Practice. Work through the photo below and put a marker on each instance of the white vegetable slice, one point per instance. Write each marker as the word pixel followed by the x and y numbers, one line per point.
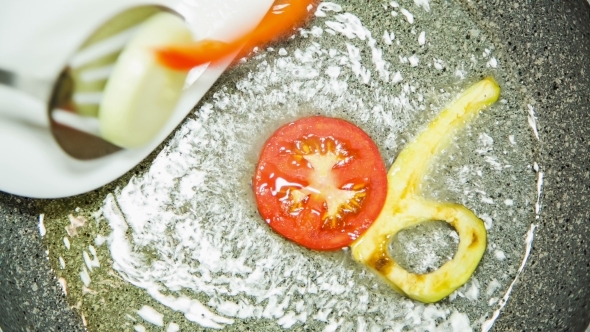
pixel 140 94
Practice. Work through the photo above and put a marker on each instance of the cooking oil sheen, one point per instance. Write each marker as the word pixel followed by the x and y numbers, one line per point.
pixel 179 245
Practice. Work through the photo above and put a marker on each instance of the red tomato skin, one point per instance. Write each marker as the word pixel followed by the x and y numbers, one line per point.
pixel 306 229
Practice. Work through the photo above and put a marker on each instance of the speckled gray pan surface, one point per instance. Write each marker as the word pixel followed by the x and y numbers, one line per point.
pixel 549 42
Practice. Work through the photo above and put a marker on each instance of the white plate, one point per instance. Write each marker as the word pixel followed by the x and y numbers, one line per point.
pixel 32 163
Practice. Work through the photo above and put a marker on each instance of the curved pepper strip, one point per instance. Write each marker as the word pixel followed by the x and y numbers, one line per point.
pixel 277 23
pixel 404 207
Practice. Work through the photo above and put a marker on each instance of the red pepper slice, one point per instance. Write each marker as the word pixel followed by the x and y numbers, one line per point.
pixel 276 24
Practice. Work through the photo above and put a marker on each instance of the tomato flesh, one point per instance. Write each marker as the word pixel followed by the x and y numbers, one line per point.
pixel 320 182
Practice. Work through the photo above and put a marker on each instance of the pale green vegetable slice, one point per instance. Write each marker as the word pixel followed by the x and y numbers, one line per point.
pixel 404 207
pixel 140 94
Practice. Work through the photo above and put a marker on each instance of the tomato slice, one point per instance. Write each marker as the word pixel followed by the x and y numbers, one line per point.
pixel 320 182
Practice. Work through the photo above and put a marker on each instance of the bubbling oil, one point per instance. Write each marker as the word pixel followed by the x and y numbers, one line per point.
pixel 187 228
pixel 425 247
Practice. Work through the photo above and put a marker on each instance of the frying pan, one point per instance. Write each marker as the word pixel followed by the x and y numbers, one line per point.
pixel 549 43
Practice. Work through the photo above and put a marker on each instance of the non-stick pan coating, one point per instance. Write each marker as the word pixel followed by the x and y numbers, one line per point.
pixel 549 42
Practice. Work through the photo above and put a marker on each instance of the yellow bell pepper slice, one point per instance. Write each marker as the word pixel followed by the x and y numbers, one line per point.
pixel 404 207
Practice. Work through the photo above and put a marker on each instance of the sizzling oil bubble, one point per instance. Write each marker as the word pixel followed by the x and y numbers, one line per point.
pixel 184 238
pixel 425 247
